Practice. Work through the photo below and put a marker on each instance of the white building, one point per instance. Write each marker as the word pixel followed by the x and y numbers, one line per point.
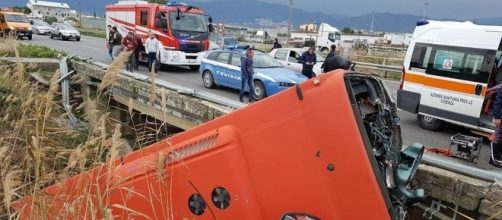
pixel 41 9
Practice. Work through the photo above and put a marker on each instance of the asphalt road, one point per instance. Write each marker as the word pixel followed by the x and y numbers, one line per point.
pixel 411 132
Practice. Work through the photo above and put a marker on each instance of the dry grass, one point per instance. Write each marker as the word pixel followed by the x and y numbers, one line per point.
pixel 37 150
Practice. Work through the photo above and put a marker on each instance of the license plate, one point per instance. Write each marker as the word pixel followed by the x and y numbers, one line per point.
pixel 191 61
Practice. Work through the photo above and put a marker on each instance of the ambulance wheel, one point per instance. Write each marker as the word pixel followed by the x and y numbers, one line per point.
pixel 429 123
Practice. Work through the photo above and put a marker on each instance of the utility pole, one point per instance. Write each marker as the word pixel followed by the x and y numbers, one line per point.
pixel 80 12
pixel 372 20
pixel 289 20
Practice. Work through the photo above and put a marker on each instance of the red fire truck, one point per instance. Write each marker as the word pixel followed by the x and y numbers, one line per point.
pixel 182 30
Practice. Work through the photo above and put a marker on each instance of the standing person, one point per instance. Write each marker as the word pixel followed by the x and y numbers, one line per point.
pixel 335 62
pixel 137 51
pixel 130 43
pixel 308 59
pixel 151 49
pixel 116 42
pixel 332 51
pixel 276 44
pixel 496 145
pixel 109 41
pixel 247 73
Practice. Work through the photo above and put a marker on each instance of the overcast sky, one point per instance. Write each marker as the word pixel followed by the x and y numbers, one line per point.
pixel 457 9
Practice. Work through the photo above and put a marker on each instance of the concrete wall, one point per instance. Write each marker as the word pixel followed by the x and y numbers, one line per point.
pixel 180 110
pixel 471 194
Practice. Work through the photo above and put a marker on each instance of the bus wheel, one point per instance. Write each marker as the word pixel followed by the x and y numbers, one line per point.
pixel 429 123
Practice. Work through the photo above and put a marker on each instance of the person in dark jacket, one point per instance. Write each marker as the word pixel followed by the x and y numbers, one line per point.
pixel 137 51
pixel 116 42
pixel 109 41
pixel 276 44
pixel 308 59
pixel 335 62
pixel 331 53
pixel 247 73
pixel 496 146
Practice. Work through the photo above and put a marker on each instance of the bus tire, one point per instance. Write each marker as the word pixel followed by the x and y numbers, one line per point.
pixel 429 123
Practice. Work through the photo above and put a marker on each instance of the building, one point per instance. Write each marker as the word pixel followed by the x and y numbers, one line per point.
pixel 308 27
pixel 42 9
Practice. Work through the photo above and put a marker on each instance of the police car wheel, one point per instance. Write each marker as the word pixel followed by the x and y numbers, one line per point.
pixel 208 80
pixel 429 123
pixel 259 90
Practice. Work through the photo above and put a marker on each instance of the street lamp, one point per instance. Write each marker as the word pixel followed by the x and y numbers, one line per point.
pixel 425 9
pixel 289 20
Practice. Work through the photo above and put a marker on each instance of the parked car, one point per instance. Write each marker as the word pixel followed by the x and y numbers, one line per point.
pixel 15 24
pixel 289 57
pixel 40 27
pixel 222 68
pixel 64 31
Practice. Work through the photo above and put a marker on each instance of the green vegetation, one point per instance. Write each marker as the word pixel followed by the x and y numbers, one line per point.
pixel 92 32
pixel 347 30
pixel 50 19
pixel 22 9
pixel 32 51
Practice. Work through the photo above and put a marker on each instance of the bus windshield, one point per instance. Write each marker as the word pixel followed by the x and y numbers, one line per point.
pixel 187 22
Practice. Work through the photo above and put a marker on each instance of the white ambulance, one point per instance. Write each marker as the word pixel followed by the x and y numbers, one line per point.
pixel 448 71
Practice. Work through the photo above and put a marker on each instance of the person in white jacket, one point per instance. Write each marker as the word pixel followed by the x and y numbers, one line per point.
pixel 151 49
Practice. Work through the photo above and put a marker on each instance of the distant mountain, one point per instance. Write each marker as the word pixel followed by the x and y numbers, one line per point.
pixel 384 22
pixel 258 13
pixel 489 21
pixel 242 11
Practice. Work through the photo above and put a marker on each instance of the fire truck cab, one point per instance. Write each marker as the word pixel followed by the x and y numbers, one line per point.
pixel 181 29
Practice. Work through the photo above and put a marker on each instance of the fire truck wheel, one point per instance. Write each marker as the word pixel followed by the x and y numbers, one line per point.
pixel 208 80
pixel 429 123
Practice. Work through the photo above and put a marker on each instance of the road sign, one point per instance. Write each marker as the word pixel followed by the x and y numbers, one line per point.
pixel 220 27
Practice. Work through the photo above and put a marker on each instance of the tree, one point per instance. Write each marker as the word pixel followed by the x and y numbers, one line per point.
pixel 27 10
pixel 22 9
pixel 50 19
pixel 158 1
pixel 347 30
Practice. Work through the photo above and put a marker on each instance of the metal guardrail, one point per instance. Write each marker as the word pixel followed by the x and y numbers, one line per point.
pixel 381 67
pixel 181 89
pixel 458 167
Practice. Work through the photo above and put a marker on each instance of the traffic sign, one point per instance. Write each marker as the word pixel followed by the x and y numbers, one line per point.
pixel 220 27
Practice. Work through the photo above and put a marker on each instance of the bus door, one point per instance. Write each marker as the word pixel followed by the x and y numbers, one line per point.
pixel 455 83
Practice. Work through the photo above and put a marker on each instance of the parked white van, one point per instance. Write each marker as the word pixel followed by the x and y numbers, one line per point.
pixel 448 70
